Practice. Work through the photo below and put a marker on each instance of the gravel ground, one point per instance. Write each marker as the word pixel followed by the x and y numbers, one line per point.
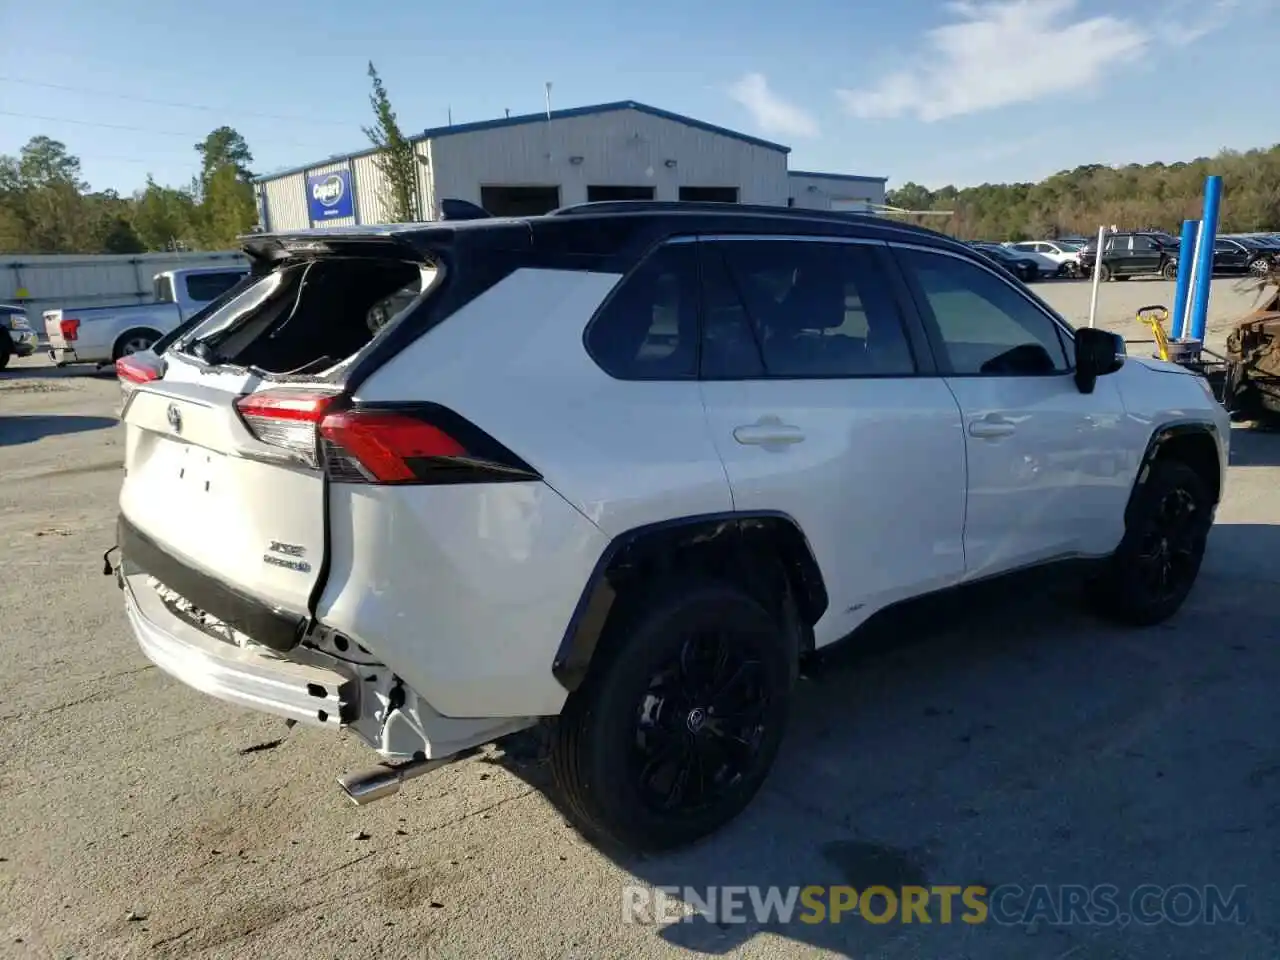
pixel 1008 739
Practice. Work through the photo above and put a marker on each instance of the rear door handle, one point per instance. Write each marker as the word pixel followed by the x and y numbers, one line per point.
pixel 991 428
pixel 767 434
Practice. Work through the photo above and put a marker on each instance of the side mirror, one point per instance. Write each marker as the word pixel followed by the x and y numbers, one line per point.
pixel 1098 352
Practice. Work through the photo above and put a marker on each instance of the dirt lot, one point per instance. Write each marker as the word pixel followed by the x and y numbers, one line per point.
pixel 1008 740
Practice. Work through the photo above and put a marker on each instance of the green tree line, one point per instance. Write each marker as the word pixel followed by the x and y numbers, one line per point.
pixel 46 207
pixel 1136 196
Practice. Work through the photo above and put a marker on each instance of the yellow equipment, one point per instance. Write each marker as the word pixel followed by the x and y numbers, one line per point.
pixel 1155 317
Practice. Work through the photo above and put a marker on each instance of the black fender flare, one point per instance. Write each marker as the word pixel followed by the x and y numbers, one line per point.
pixel 1176 431
pixel 738 532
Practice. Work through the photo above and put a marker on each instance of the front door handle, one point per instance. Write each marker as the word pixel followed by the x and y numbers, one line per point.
pixel 767 433
pixel 991 428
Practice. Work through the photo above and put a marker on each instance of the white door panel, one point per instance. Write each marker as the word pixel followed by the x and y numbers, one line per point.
pixel 1048 465
pixel 871 470
pixel 1048 469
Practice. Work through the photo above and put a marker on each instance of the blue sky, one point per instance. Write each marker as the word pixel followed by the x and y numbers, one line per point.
pixel 925 90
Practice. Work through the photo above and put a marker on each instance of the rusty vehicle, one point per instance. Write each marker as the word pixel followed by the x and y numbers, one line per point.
pixel 1251 390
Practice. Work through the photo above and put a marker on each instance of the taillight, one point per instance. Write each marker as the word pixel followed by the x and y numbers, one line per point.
pixel 286 419
pixel 418 443
pixel 414 444
pixel 134 371
pixel 69 327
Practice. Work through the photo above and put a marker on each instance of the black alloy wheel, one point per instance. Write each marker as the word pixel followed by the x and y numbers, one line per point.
pixel 1167 526
pixel 700 725
pixel 1167 561
pixel 680 717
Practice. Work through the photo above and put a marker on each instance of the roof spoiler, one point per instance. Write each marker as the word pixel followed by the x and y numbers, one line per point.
pixel 452 209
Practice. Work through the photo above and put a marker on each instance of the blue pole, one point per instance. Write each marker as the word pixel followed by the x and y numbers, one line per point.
pixel 1204 265
pixel 1186 253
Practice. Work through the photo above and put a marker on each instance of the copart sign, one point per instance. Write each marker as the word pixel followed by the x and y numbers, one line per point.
pixel 329 196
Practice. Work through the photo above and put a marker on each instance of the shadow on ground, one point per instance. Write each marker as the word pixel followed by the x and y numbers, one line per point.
pixel 27 428
pixel 1256 445
pixel 1000 736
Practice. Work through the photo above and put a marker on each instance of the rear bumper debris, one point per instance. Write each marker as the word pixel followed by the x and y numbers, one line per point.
pixel 251 677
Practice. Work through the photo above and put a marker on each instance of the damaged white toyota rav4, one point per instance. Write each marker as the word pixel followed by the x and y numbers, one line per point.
pixel 618 468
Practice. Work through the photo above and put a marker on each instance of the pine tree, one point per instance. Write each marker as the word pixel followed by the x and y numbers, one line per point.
pixel 395 158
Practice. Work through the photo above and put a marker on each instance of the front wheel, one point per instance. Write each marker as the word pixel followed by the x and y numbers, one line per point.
pixel 1260 266
pixel 1157 562
pixel 1104 273
pixel 6 351
pixel 679 721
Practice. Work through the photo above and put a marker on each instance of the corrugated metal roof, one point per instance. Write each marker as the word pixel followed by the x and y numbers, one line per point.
pixel 853 177
pixel 432 133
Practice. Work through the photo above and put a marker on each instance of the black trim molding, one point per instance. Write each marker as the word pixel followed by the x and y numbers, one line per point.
pixel 252 617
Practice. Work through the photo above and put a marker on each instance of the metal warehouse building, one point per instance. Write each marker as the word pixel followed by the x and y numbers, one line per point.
pixel 527 165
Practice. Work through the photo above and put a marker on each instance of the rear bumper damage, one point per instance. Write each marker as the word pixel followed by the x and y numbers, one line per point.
pixel 209 649
pixel 245 675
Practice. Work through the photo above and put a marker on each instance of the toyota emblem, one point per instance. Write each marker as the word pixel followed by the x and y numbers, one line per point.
pixel 174 416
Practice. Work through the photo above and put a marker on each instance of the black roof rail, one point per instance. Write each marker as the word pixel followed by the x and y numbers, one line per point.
pixel 704 206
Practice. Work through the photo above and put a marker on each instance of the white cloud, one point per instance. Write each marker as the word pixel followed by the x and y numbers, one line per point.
pixel 1001 52
pixel 772 114
pixel 1197 24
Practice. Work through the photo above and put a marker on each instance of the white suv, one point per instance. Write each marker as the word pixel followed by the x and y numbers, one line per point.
pixel 1058 256
pixel 617 468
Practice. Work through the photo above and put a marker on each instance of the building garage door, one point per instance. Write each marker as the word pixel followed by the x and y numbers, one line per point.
pixel 709 194
pixel 598 194
pixel 504 201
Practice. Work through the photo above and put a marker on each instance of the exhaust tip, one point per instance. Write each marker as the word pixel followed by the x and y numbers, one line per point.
pixel 385 779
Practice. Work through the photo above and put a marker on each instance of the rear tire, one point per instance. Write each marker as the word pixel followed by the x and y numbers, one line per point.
pixel 678 723
pixel 6 351
pixel 1169 271
pixel 1154 568
pixel 133 341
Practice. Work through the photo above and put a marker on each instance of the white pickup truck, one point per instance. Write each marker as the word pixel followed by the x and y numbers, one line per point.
pixel 105 334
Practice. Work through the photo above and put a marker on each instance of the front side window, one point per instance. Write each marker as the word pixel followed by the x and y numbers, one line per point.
pixel 1144 243
pixel 983 325
pixel 648 328
pixel 800 309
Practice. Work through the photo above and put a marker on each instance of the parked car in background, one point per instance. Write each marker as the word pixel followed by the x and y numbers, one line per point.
pixel 1024 268
pixel 1060 257
pixel 1133 254
pixel 103 335
pixel 1233 254
pixel 17 339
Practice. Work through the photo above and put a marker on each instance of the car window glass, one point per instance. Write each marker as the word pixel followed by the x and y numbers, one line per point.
pixel 648 328
pixel 985 326
pixel 816 309
pixel 203 287
pixel 1224 246
pixel 730 350
pixel 1144 243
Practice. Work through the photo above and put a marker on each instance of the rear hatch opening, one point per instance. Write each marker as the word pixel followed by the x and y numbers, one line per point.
pixel 306 320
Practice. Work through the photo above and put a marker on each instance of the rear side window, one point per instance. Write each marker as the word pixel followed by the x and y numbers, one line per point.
pixel 648 328
pixel 983 324
pixel 203 287
pixel 799 309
